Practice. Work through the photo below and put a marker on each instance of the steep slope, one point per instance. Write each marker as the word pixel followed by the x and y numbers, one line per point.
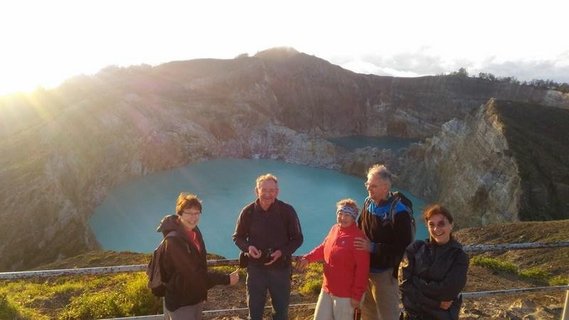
pixel 539 142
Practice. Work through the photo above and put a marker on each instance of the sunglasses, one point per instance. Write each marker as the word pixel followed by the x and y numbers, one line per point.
pixel 440 224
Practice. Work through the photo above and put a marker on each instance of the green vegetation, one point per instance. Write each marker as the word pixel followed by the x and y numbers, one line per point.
pixel 311 280
pixel 494 264
pixel 535 274
pixel 85 297
pixel 7 309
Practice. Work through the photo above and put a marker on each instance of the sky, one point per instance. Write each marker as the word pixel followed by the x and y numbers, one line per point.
pixel 44 43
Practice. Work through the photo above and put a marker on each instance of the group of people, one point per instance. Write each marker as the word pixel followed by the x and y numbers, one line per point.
pixel 370 260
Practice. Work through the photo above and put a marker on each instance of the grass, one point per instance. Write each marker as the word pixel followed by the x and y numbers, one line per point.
pixel 494 264
pixel 535 274
pixel 7 309
pixel 85 297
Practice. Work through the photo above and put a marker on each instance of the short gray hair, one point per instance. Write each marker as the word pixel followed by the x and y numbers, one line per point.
pixel 381 171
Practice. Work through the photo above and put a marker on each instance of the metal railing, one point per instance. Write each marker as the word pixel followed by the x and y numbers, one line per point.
pixel 225 262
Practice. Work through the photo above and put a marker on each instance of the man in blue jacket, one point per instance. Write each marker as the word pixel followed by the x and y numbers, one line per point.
pixel 388 228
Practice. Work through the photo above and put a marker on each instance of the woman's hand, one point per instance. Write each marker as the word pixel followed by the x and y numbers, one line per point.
pixel 234 277
pixel 445 304
pixel 302 264
pixel 355 303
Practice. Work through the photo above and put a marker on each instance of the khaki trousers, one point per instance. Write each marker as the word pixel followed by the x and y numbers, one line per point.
pixel 381 301
pixel 330 307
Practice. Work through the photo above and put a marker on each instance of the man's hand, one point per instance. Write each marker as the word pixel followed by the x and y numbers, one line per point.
pixel 254 252
pixel 275 255
pixel 363 244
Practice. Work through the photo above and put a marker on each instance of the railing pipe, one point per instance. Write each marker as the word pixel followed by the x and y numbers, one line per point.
pixel 477 248
pixel 225 262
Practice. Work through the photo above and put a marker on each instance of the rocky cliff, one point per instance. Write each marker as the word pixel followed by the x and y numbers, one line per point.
pixel 507 161
pixel 64 149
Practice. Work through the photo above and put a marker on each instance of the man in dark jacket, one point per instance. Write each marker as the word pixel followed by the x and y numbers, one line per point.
pixel 268 231
pixel 184 262
pixel 387 237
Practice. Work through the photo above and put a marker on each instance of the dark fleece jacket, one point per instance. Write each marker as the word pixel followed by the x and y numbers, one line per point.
pixel 185 267
pixel 429 274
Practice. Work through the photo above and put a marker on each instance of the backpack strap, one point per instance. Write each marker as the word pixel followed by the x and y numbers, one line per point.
pixel 396 200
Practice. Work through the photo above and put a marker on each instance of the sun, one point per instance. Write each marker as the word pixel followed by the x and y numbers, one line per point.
pixel 14 82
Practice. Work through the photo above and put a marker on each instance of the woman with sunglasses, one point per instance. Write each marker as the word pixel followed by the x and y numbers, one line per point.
pixel 433 272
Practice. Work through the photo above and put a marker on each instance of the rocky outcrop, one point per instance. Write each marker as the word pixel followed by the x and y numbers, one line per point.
pixel 64 149
pixel 506 162
pixel 469 167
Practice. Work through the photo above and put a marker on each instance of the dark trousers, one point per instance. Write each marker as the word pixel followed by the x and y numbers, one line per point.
pixel 406 315
pixel 275 280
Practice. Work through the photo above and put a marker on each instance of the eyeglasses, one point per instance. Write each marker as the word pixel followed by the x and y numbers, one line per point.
pixel 440 224
pixel 191 214
pixel 372 186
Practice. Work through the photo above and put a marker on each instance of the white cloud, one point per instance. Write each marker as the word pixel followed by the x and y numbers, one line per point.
pixel 44 42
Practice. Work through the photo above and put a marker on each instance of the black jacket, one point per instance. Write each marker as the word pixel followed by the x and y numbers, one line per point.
pixel 278 228
pixel 429 274
pixel 185 267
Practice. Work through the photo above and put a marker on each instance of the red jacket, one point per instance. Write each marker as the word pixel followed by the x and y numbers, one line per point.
pixel 346 269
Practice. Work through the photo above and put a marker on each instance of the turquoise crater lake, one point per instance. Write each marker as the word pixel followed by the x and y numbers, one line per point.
pixel 127 219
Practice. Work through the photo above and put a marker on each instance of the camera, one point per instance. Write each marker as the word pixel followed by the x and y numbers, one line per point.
pixel 266 255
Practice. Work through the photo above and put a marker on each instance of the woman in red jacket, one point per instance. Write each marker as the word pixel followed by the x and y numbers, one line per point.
pixel 346 269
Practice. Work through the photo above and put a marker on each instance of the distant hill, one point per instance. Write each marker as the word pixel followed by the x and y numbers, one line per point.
pixel 64 149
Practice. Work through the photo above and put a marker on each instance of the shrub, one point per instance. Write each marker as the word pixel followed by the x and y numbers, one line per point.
pixel 92 305
pixel 312 279
pixel 139 299
pixel 535 274
pixel 7 310
pixel 559 281
pixel 494 264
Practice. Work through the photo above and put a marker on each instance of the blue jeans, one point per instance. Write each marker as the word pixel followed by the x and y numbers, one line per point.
pixel 274 279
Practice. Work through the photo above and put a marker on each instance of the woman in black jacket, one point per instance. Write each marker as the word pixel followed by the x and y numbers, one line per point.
pixel 433 273
pixel 184 262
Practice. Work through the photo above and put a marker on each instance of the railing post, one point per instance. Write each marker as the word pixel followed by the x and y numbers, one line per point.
pixel 565 315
